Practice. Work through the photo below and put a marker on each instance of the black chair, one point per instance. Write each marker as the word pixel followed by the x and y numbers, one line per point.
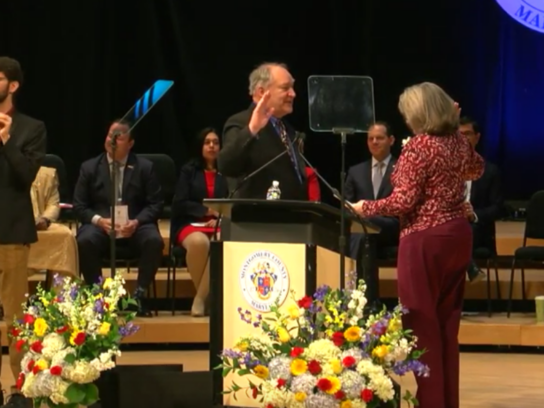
pixel 176 258
pixel 165 169
pixel 66 213
pixel 489 256
pixel 534 229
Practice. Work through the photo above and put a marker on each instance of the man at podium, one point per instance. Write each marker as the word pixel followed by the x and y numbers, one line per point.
pixel 254 137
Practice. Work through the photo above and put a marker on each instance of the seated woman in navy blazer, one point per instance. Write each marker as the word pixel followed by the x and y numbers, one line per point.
pixel 193 222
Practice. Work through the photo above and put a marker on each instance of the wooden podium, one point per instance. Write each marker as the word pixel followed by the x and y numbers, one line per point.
pixel 268 248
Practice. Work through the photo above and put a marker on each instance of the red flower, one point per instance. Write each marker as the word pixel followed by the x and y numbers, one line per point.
pixel 270 406
pixel 19 345
pixel 296 351
pixel 305 302
pixel 20 381
pixel 255 392
pixel 36 370
pixel 79 339
pixel 36 347
pixel 15 332
pixel 281 382
pixel 28 319
pixel 379 329
pixel 348 361
pixel 314 367
pixel 340 395
pixel 62 329
pixel 367 395
pixel 324 384
pixel 55 370
pixel 338 338
pixel 30 365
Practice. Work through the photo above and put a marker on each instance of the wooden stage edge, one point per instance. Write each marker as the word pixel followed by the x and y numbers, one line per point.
pixel 498 330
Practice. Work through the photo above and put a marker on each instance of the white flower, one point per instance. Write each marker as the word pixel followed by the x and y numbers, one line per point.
pixel 322 350
pixel 58 358
pixel 57 396
pixel 273 395
pixel 52 343
pixel 81 372
pixel 382 387
pixel 280 367
pixel 405 141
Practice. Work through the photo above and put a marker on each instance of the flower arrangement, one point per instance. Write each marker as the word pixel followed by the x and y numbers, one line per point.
pixel 322 352
pixel 70 335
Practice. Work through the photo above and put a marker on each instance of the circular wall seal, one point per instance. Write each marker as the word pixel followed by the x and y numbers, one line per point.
pixel 530 13
pixel 264 279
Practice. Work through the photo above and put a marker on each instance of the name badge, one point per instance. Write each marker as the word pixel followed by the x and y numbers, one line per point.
pixel 121 218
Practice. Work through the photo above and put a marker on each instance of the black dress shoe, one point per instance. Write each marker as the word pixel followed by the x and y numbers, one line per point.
pixel 17 400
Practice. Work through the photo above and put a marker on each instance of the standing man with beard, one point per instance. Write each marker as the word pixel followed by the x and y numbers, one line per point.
pixel 22 150
pixel 258 134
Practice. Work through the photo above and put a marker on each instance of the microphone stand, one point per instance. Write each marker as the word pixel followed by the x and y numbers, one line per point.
pixel 346 206
pixel 113 190
pixel 244 180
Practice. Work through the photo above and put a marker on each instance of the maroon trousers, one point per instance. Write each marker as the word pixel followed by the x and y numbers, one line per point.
pixel 431 281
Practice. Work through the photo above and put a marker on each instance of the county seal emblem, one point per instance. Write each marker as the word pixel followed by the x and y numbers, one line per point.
pixel 264 279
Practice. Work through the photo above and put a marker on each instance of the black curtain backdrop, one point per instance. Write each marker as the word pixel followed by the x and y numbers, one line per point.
pixel 87 62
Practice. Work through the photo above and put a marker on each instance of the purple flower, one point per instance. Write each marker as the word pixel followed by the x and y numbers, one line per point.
pixel 232 354
pixel 73 292
pixel 320 293
pixel 99 306
pixel 128 329
pixel 58 279
pixel 249 361
pixel 415 366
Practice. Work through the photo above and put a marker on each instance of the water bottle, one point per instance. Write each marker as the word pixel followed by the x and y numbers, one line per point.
pixel 274 192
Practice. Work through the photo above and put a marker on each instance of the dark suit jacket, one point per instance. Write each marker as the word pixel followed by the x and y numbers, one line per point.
pixel 242 154
pixel 359 187
pixel 487 201
pixel 141 190
pixel 20 160
pixel 191 189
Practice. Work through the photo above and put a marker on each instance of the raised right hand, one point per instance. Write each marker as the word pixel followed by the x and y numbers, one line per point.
pixel 261 114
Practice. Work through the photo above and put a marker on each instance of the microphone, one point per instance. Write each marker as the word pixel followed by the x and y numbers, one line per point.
pixel 298 136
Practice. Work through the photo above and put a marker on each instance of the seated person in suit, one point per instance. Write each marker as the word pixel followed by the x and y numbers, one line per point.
pixel 56 249
pixel 193 223
pixel 314 191
pixel 139 189
pixel 370 180
pixel 255 136
pixel 485 203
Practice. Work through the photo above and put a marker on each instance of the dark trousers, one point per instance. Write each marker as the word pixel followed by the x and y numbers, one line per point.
pixel 389 235
pixel 431 282
pixel 94 245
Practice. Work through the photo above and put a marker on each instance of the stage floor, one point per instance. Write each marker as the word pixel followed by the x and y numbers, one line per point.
pixel 490 380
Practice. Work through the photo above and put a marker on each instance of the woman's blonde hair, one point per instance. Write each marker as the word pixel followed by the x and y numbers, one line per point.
pixel 428 109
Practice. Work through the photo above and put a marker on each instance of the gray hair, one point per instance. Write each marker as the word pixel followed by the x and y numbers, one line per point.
pixel 261 76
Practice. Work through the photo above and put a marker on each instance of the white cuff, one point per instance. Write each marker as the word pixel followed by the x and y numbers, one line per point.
pixel 95 219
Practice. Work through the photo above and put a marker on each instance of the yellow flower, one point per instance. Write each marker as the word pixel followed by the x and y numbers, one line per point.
pixel 346 404
pixel 336 366
pixel 261 371
pixel 394 325
pixel 298 367
pixel 44 301
pixel 242 346
pixel 104 328
pixel 300 396
pixel 42 364
pixel 283 335
pixel 353 334
pixel 40 327
pixel 380 351
pixel 335 385
pixel 107 283
pixel 293 311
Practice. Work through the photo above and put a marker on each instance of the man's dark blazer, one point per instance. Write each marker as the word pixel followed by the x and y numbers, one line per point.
pixel 359 187
pixel 488 204
pixel 20 160
pixel 141 190
pixel 243 153
pixel 191 189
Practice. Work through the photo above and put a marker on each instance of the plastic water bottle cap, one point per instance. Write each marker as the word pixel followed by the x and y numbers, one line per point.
pixel 275 183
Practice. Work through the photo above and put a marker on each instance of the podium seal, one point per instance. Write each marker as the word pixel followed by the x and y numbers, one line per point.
pixel 530 13
pixel 264 279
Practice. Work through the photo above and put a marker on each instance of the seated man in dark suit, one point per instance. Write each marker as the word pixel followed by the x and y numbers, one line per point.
pixel 370 180
pixel 140 190
pixel 484 202
pixel 256 135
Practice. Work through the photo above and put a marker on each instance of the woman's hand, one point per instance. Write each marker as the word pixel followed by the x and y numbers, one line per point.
pixel 211 223
pixel 358 207
pixel 212 213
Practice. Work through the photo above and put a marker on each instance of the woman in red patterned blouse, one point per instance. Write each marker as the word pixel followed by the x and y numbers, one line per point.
pixel 192 223
pixel 436 239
